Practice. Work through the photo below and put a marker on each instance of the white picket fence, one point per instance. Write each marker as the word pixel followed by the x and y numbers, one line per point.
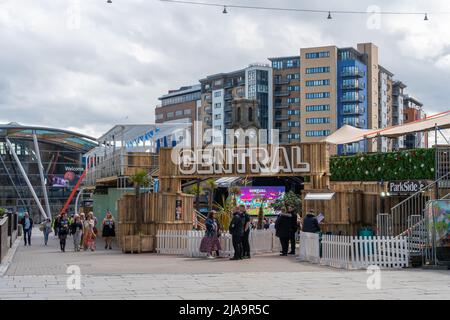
pixel 188 243
pixel 354 252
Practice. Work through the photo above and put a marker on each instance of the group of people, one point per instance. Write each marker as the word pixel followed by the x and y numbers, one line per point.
pixel 285 227
pixel 82 227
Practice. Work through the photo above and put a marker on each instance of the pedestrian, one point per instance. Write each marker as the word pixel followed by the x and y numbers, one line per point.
pixel 27 226
pixel 310 223
pixel 77 231
pixel 56 225
pixel 89 232
pixel 236 230
pixel 272 225
pixel 82 220
pixel 63 231
pixel 246 236
pixel 109 230
pixel 210 242
pixel 294 228
pixel 266 224
pixel 46 229
pixel 283 230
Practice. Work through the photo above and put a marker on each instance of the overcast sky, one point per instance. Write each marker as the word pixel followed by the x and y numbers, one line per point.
pixel 87 65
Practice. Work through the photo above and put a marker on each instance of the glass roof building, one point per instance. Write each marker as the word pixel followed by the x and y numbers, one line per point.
pixel 49 160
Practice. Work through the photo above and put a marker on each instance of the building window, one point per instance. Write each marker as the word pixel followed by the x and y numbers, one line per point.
pixel 317 120
pixel 294 136
pixel 317 70
pixel 317 133
pixel 159 116
pixel 238 114
pixel 217 94
pixel 217 116
pixel 218 128
pixel 293 76
pixel 187 111
pixel 250 114
pixel 293 88
pixel 316 55
pixel 169 114
pixel 315 83
pixel 293 123
pixel 293 100
pixel 178 113
pixel 293 112
pixel 217 105
pixel 317 95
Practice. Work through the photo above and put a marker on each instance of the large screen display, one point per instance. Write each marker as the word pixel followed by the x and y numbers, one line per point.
pixel 255 197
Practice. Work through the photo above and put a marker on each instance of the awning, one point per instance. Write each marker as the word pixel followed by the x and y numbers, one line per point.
pixel 348 134
pixel 319 196
pixel 226 182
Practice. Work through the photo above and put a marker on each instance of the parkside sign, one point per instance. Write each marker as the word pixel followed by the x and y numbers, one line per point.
pixel 407 186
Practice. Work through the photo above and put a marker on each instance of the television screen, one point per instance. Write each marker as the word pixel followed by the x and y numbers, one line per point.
pixel 254 197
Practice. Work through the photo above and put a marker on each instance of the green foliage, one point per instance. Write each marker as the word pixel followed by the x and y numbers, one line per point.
pixel 290 199
pixel 140 179
pixel 195 190
pixel 402 165
pixel 224 212
pixel 2 212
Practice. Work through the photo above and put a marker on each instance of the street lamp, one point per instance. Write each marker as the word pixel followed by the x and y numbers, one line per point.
pixel 383 199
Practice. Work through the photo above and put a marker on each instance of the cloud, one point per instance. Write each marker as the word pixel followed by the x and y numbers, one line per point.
pixel 88 65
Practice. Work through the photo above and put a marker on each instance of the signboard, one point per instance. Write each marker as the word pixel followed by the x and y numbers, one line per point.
pixel 178 209
pixel 406 186
pixel 255 197
pixel 439 223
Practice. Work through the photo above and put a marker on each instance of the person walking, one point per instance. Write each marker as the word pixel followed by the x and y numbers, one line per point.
pixel 236 230
pixel 63 228
pixel 46 229
pixel 109 230
pixel 89 232
pixel 210 242
pixel 310 223
pixel 76 229
pixel 283 229
pixel 56 225
pixel 27 226
pixel 247 229
pixel 294 228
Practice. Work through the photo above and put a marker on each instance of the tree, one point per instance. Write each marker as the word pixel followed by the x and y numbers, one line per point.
pixel 224 212
pixel 196 190
pixel 234 191
pixel 2 212
pixel 139 179
pixel 211 186
pixel 290 199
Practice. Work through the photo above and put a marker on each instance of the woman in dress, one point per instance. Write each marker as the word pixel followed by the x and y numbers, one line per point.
pixel 88 231
pixel 210 242
pixel 109 230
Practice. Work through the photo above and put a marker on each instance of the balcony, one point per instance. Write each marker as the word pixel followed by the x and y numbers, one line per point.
pixel 353 110
pixel 354 73
pixel 228 96
pixel 228 85
pixel 281 93
pixel 227 120
pixel 281 81
pixel 208 110
pixel 354 98
pixel 353 86
pixel 281 117
pixel 282 129
pixel 227 107
pixel 208 99
pixel 241 82
pixel 355 122
pixel 281 105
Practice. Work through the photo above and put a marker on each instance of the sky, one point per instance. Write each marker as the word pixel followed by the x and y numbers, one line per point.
pixel 86 65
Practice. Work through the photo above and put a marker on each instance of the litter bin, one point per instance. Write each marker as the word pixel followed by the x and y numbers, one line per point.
pixel 366 233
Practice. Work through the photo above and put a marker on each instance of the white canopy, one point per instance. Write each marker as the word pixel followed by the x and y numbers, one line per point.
pixel 348 134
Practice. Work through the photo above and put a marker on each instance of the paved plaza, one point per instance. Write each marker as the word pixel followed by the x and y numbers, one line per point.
pixel 40 272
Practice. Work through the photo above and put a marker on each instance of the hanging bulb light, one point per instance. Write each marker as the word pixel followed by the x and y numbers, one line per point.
pixel 109 1
pixel 329 15
pixel 426 17
pixel 224 10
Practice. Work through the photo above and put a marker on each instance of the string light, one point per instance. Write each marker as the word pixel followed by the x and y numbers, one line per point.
pixel 221 5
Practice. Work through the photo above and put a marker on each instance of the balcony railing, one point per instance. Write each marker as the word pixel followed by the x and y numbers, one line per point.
pixel 355 122
pixel 281 93
pixel 228 96
pixel 282 129
pixel 208 110
pixel 208 99
pixel 281 117
pixel 282 81
pixel 227 107
pixel 355 110
pixel 281 105
pixel 353 86
pixel 241 82
pixel 358 98
pixel 228 85
pixel 355 73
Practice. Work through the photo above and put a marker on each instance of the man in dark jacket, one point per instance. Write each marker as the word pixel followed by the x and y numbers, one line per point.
pixel 294 228
pixel 310 223
pixel 27 225
pixel 247 227
pixel 283 227
pixel 236 230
